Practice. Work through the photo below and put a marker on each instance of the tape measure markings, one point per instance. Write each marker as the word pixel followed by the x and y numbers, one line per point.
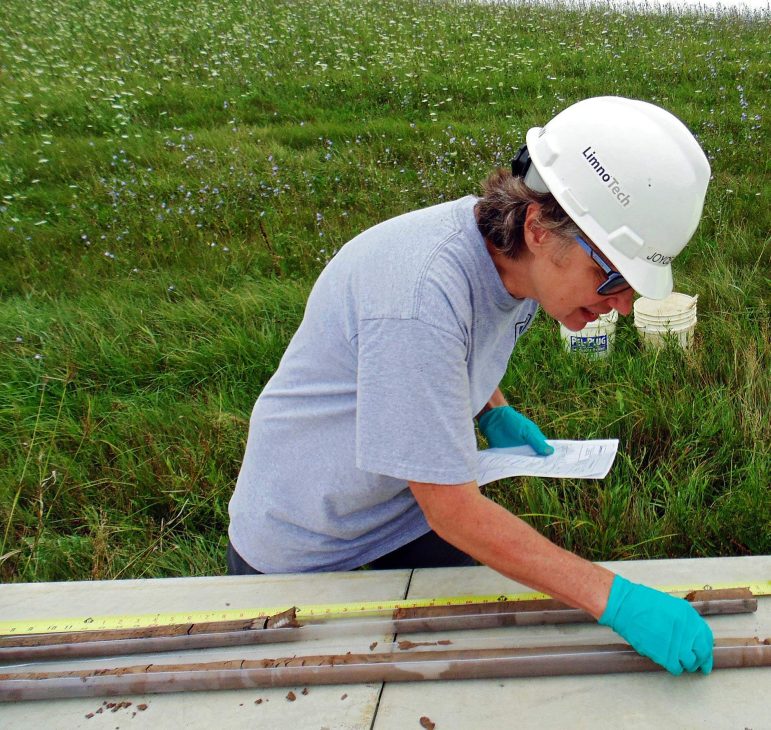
pixel 360 609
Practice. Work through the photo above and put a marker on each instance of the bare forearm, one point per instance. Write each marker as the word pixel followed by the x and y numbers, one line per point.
pixel 507 544
pixel 513 548
pixel 495 400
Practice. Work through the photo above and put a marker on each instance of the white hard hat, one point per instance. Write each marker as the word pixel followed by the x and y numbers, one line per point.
pixel 631 176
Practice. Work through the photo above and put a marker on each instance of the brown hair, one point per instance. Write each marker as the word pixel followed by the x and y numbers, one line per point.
pixel 502 209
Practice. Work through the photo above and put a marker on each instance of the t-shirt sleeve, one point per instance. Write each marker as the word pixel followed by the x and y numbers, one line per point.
pixel 413 418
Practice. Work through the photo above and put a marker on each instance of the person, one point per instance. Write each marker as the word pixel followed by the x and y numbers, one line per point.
pixel 362 447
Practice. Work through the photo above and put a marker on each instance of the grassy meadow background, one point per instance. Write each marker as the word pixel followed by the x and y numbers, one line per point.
pixel 174 175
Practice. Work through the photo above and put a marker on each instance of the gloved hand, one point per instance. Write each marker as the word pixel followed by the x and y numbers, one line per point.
pixel 659 626
pixel 503 426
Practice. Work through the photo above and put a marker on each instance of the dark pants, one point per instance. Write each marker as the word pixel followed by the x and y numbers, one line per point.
pixel 428 551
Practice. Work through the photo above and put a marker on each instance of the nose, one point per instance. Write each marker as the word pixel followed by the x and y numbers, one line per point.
pixel 622 302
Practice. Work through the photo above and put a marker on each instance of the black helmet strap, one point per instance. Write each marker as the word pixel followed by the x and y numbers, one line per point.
pixel 521 162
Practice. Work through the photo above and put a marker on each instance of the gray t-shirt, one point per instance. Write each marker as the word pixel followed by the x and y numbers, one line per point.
pixel 406 334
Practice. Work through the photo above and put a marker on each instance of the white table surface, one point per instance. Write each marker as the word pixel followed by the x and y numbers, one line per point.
pixel 735 699
pixel 322 706
pixel 726 699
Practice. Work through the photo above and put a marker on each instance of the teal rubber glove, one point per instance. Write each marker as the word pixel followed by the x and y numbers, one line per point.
pixel 503 426
pixel 659 626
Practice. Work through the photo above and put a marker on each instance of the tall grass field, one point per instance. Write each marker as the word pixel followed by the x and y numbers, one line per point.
pixel 174 175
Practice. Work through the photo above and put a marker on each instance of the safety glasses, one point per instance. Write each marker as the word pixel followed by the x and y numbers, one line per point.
pixel 614 282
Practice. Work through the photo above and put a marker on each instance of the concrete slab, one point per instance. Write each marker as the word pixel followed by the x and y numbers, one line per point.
pixel 52 600
pixel 732 698
pixel 344 707
pixel 727 699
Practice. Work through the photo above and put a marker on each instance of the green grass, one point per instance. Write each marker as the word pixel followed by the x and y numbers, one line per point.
pixel 173 176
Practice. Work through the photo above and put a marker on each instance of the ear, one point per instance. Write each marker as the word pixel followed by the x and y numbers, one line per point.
pixel 535 234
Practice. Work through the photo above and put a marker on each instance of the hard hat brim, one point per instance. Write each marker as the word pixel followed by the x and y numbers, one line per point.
pixel 651 280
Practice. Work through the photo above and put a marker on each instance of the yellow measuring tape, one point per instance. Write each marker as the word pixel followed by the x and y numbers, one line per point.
pixel 22 627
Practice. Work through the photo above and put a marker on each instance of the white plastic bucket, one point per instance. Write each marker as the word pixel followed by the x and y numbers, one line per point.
pixel 596 339
pixel 660 319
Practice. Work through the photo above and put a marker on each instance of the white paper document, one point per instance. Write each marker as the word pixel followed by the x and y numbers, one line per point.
pixel 582 459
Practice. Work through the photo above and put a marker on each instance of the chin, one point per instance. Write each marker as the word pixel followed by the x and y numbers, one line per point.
pixel 578 318
pixel 574 322
pixel 574 328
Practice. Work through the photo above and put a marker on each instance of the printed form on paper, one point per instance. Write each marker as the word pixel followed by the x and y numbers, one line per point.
pixel 581 459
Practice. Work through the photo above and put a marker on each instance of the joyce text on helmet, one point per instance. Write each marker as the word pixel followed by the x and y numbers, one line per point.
pixel 660 258
pixel 611 181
